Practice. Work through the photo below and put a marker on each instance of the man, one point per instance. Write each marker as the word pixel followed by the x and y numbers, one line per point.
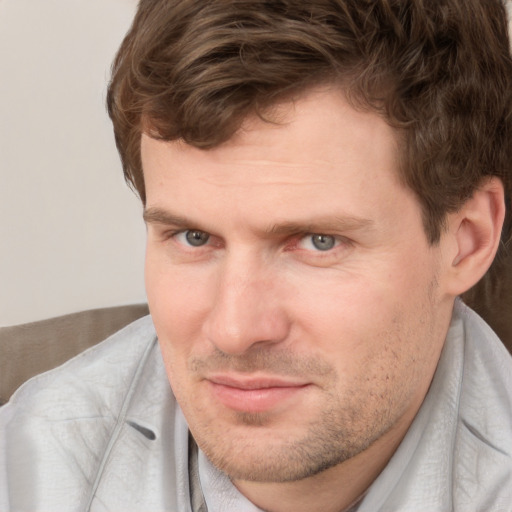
pixel 320 181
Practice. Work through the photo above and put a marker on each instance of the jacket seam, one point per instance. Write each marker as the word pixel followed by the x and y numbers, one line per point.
pixel 463 320
pixel 119 423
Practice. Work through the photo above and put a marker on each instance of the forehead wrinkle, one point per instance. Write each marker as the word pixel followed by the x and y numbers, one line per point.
pixel 250 173
pixel 243 184
pixel 279 163
pixel 256 178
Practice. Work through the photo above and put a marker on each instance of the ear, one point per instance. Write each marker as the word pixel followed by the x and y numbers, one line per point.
pixel 475 232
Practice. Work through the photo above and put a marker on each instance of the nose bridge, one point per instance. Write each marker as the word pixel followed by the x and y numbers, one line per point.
pixel 246 308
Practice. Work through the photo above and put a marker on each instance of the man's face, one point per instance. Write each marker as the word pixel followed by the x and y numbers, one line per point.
pixel 298 305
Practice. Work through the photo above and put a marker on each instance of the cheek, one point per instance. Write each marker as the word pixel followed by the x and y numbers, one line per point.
pixel 177 301
pixel 174 306
pixel 347 308
pixel 354 319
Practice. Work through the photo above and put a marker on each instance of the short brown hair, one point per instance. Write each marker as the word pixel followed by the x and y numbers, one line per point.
pixel 440 71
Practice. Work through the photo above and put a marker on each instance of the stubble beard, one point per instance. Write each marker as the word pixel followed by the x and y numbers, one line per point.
pixel 348 423
pixel 334 438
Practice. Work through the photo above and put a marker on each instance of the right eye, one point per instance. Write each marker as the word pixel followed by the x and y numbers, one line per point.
pixel 192 237
pixel 319 242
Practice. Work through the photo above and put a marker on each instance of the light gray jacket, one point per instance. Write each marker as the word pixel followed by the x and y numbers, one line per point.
pixel 103 433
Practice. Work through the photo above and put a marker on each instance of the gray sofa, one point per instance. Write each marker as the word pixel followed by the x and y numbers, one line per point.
pixel 29 349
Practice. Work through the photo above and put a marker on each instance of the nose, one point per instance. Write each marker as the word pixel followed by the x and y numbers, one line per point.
pixel 247 308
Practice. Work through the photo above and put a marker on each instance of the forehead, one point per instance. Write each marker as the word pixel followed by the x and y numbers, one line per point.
pixel 318 155
pixel 321 123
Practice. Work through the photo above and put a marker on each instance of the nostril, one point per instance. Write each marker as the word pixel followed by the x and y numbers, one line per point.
pixel 146 432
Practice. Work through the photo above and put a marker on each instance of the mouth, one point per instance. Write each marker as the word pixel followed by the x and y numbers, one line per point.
pixel 251 394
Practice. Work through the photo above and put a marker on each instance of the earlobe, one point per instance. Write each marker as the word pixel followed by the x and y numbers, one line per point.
pixel 476 231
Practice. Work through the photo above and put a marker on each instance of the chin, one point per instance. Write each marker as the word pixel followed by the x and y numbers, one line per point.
pixel 257 451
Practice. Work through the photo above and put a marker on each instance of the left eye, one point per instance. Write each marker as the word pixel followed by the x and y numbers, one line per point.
pixel 193 237
pixel 319 242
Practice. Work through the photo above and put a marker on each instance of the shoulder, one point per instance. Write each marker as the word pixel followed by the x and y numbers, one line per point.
pixel 483 451
pixel 457 453
pixel 487 373
pixel 90 380
pixel 61 430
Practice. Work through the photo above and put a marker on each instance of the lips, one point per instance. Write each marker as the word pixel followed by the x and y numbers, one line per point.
pixel 255 394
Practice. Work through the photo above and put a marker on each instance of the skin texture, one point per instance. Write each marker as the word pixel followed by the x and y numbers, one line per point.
pixel 295 367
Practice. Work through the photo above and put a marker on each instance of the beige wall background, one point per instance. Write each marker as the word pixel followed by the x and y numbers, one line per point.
pixel 71 234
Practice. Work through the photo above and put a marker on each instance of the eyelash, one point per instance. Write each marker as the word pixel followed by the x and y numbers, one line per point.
pixel 311 236
pixel 293 244
pixel 342 244
pixel 173 235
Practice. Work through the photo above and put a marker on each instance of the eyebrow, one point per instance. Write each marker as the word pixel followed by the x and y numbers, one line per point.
pixel 322 224
pixel 155 215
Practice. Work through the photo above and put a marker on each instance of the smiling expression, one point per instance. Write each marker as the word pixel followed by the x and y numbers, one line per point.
pixel 298 305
